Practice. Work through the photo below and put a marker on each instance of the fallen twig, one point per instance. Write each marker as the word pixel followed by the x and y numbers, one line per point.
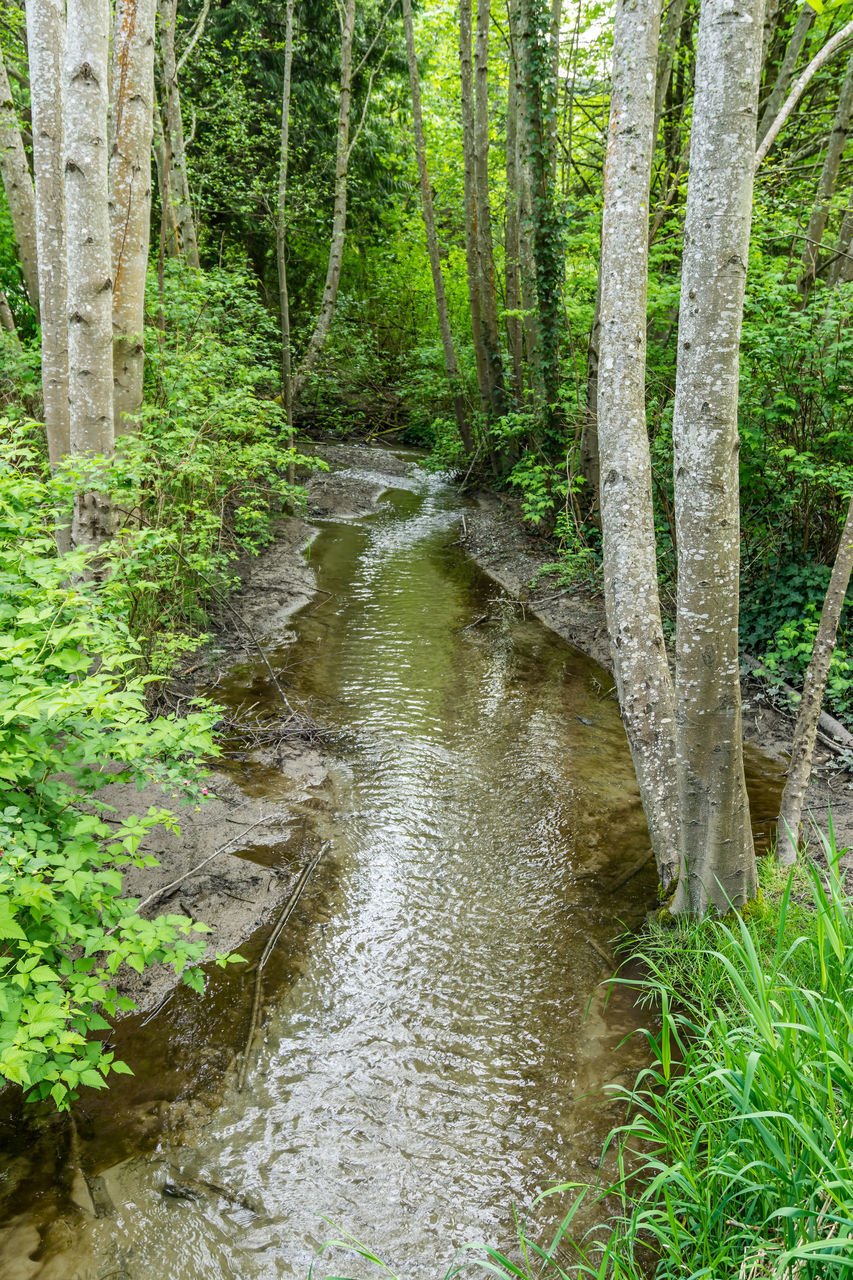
pixel 265 955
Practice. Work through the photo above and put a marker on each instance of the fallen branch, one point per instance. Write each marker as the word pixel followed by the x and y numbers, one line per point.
pixel 838 737
pixel 265 955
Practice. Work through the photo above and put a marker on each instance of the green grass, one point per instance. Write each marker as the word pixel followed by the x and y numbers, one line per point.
pixel 735 1155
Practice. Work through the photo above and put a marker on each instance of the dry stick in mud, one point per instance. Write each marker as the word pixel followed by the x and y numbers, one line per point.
pixel 642 673
pixel 805 732
pixel 278 927
pixel 167 888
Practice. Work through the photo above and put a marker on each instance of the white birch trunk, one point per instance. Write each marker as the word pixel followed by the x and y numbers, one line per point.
pixel 187 240
pixel 18 186
pixel 814 687
pixel 718 858
pixel 339 216
pixel 643 680
pixel 132 96
pixel 45 43
pixel 90 353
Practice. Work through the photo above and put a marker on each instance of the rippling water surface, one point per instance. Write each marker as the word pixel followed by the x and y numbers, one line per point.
pixel 437 1035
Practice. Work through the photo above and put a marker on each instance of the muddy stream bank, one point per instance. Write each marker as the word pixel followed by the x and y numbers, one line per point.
pixel 435 1032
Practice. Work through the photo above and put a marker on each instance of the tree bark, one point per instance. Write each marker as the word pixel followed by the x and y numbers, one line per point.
pixel 18 186
pixel 802 27
pixel 588 454
pixel 514 330
pixel 826 186
pixel 450 363
pixel 646 696
pixel 281 224
pixel 132 97
pixel 339 216
pixel 799 87
pixel 173 126
pixel 90 354
pixel 842 264
pixel 7 322
pixel 45 42
pixel 717 854
pixel 814 687
pixel 485 249
pixel 472 259
pixel 670 35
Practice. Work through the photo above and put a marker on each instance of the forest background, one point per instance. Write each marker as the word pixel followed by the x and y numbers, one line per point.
pixel 366 221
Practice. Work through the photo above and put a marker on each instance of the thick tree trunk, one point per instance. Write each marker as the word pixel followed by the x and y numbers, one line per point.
pixel 646 696
pixel 90 353
pixel 669 37
pixel 802 27
pixel 472 258
pixel 45 42
pixel 717 854
pixel 450 363
pixel 814 686
pixel 281 223
pixel 826 186
pixel 339 216
pixel 18 186
pixel 132 97
pixel 485 250
pixel 173 125
pixel 514 330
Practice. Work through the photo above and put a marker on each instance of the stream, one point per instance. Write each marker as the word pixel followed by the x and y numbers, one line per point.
pixel 437 1031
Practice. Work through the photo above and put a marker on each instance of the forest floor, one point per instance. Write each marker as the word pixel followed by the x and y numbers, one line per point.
pixel 496 539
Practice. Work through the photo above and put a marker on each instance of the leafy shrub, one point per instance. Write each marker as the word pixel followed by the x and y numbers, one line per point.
pixel 72 718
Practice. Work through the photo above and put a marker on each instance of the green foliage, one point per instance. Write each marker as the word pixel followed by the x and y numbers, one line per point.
pixel 205 476
pixel 72 718
pixel 736 1152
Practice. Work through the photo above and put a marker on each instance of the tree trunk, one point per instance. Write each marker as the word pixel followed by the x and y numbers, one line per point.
pixel 90 353
pixel 339 216
pixel 717 853
pixel 646 696
pixel 485 249
pixel 450 363
pixel 826 186
pixel 842 264
pixel 173 125
pixel 472 260
pixel 669 37
pixel 514 331
pixel 45 42
pixel 802 27
pixel 588 457
pixel 18 186
pixel 281 224
pixel 7 323
pixel 132 97
pixel 798 88
pixel 536 65
pixel 771 20
pixel 814 686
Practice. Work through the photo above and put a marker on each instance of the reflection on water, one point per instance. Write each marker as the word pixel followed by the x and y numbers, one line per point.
pixel 437 1037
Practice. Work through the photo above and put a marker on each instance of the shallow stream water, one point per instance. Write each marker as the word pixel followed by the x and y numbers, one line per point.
pixel 437 1034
